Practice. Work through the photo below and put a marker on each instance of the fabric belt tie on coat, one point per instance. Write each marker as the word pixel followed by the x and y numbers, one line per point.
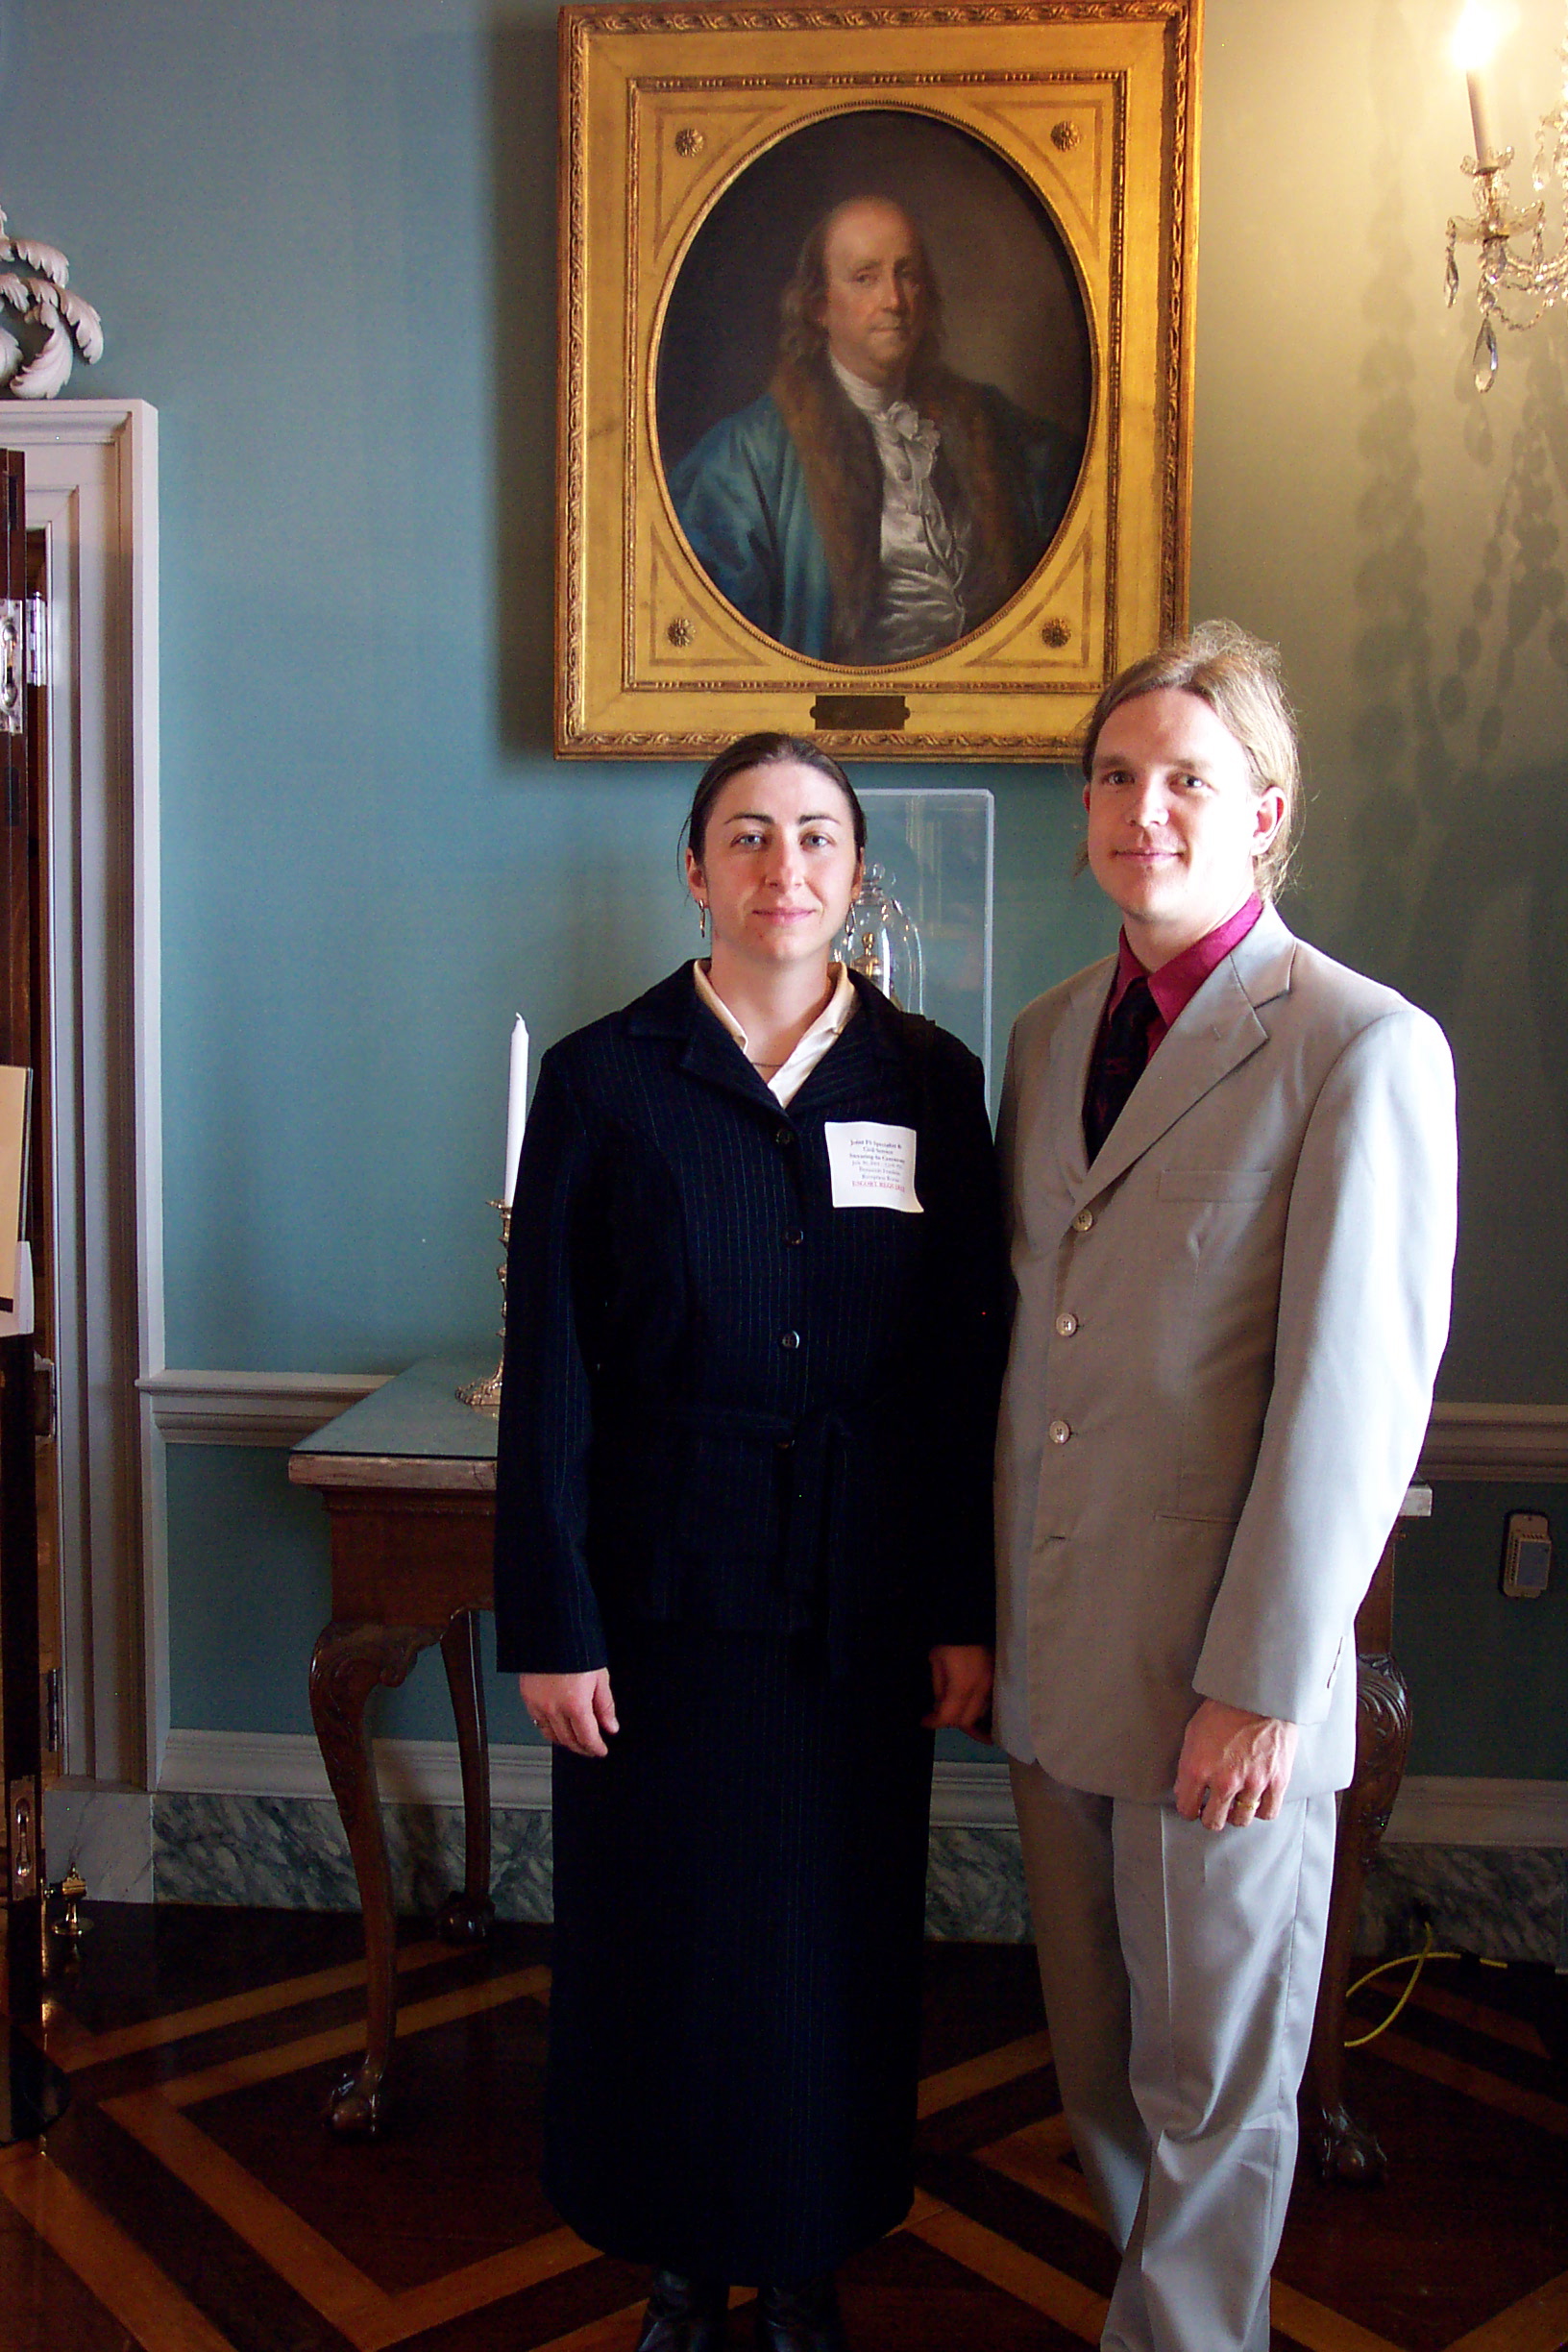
pixel 813 1456
pixel 814 1525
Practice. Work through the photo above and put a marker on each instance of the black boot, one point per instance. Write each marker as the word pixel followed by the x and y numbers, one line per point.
pixel 684 2315
pixel 801 2319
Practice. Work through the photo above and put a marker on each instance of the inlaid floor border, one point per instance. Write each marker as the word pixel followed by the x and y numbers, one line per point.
pixel 138 2294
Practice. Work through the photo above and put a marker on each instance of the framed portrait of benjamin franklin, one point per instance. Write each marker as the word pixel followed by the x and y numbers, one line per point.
pixel 875 370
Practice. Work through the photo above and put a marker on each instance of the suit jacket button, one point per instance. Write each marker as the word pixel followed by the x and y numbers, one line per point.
pixel 783 1135
pixel 788 1340
pixel 1058 1433
pixel 1081 1222
pixel 1065 1325
pixel 793 1238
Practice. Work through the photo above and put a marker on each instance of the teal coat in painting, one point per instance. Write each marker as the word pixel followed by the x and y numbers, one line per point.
pixel 743 496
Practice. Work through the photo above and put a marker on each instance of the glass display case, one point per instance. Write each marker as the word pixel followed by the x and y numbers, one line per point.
pixel 922 925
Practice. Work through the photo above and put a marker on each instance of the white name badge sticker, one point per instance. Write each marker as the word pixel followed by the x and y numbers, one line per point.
pixel 872 1165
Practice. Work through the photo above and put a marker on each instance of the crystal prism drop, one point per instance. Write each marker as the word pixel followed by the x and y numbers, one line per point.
pixel 1450 278
pixel 1486 359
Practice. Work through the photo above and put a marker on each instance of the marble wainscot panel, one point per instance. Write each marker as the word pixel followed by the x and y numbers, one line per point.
pixel 974 1891
pixel 272 1853
pixel 105 1833
pixel 1504 1902
pixel 290 1854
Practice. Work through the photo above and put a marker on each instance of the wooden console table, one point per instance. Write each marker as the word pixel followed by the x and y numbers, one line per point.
pixel 408 1479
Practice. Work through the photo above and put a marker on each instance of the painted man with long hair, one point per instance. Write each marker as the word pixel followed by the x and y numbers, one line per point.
pixel 872 505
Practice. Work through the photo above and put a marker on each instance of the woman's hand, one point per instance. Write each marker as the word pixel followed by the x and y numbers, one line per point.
pixel 573 1710
pixel 961 1674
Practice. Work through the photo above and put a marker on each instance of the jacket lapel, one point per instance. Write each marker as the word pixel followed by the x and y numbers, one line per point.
pixel 1218 1030
pixel 706 1051
pixel 868 1040
pixel 711 1054
pixel 704 1048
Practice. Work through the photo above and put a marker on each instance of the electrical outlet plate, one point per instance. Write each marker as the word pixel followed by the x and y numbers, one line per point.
pixel 1527 1555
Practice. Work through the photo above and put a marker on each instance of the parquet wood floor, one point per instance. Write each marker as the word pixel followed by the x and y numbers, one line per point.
pixel 191 2199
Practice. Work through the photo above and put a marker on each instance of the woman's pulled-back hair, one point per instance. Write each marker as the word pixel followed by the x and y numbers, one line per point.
pixel 1238 676
pixel 765 751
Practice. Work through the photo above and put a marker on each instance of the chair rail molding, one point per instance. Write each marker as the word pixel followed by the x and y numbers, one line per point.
pixel 1497 1444
pixel 1514 1444
pixel 92 491
pixel 251 1408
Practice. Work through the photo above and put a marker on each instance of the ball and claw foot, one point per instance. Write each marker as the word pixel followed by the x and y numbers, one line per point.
pixel 1345 2150
pixel 356 2109
pixel 465 1919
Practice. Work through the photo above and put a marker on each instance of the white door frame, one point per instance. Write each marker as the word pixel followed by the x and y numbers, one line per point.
pixel 92 489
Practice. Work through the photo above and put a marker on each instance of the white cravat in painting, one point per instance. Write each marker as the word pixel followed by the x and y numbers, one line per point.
pixel 925 552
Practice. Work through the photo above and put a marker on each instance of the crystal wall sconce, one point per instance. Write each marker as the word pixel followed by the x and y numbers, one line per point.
pixel 1520 277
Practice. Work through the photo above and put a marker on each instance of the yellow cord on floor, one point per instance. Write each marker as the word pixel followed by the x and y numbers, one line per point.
pixel 1415 1962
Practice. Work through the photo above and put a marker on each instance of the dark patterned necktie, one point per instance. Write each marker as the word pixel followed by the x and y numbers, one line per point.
pixel 1120 1059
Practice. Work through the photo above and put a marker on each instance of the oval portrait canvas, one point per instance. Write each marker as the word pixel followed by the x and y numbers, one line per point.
pixel 873 387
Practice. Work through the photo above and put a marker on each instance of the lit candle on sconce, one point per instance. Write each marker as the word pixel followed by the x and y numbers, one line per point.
pixel 1523 269
pixel 1475 39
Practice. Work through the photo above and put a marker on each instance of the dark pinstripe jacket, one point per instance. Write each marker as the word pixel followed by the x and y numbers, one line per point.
pixel 726 1401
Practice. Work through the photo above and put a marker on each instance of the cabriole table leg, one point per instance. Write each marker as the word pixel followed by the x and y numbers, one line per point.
pixel 350 1660
pixel 1343 2149
pixel 465 1918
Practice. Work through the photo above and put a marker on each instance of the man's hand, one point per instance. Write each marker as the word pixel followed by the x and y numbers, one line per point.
pixel 961 1674
pixel 1235 1766
pixel 573 1710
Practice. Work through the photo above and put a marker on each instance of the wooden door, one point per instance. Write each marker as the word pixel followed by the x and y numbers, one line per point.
pixel 20 1742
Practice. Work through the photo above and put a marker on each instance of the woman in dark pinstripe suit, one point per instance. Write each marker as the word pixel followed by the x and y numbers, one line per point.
pixel 743 1563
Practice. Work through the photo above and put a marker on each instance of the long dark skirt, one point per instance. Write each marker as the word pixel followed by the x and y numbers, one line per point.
pixel 739 1907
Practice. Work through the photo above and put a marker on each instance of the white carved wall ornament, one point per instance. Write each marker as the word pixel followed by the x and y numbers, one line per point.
pixel 56 323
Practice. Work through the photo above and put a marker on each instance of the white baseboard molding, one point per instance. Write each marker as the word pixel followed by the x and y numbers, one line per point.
pixel 288 1764
pixel 424 1771
pixel 251 1409
pixel 1497 1444
pixel 1432 1810
pixel 977 1796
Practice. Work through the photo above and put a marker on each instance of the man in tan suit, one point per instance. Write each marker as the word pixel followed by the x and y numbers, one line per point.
pixel 1231 1172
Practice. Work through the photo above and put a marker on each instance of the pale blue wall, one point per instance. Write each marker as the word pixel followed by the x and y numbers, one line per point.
pixel 321 233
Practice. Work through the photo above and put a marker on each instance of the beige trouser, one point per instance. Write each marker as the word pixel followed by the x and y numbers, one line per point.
pixel 1180 1970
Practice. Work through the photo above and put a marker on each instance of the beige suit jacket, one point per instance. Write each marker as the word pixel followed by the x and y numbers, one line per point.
pixel 1225 1338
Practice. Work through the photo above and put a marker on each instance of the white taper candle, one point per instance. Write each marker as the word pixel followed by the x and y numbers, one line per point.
pixel 1478 124
pixel 517 1104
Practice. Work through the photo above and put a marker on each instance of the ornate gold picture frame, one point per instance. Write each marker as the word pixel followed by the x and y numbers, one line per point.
pixel 715 573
